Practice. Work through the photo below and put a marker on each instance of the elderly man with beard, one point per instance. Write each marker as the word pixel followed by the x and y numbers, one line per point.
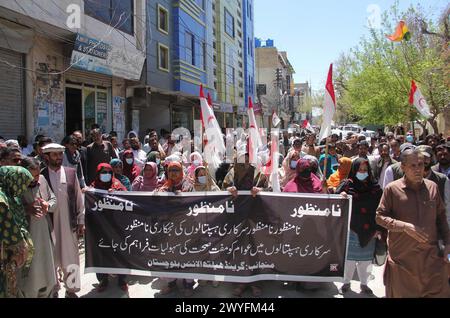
pixel 68 220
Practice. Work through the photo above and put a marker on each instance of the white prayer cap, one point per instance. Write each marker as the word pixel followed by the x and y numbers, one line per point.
pixel 12 143
pixel 53 148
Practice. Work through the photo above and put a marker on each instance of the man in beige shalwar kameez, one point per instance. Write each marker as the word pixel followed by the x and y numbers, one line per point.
pixel 412 210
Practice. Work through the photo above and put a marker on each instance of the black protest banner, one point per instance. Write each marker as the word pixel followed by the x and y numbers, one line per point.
pixel 213 236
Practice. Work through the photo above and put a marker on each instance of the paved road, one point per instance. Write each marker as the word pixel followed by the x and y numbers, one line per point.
pixel 146 287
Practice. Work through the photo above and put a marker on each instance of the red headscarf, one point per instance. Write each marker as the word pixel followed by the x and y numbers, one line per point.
pixel 114 184
pixel 304 184
pixel 130 171
pixel 170 183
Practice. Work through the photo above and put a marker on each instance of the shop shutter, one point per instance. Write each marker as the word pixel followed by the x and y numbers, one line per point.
pixel 11 94
pixel 86 77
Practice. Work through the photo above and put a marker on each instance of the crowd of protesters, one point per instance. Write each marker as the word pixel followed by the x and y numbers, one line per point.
pixel 400 188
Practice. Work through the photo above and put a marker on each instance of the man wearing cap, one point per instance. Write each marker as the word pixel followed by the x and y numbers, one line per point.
pixel 412 211
pixel 443 157
pixel 68 219
pixel 395 172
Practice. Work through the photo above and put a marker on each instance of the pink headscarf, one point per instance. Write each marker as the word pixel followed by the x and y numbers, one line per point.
pixel 146 183
pixel 191 170
pixel 304 184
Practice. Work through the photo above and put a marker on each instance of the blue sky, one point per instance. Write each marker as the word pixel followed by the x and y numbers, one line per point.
pixel 315 32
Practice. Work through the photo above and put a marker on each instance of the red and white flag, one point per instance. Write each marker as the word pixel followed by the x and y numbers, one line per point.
pixel 275 119
pixel 416 98
pixel 306 125
pixel 329 106
pixel 210 100
pixel 215 147
pixel 254 137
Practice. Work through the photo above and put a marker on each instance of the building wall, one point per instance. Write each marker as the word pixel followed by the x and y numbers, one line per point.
pixel 48 91
pixel 249 48
pixel 266 64
pixel 51 52
pixel 156 77
pixel 190 18
pixel 229 52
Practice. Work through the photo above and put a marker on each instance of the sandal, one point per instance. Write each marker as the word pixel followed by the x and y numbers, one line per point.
pixel 239 290
pixel 102 286
pixel 256 291
pixel 168 288
pixel 366 290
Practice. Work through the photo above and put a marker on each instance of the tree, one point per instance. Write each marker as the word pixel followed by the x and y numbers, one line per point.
pixel 373 80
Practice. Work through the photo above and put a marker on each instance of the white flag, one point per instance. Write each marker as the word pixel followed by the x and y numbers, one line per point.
pixel 275 119
pixel 215 148
pixel 416 98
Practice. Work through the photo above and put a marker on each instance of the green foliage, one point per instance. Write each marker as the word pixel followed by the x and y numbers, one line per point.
pixel 374 79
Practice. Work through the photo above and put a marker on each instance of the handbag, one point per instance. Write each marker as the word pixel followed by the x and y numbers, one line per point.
pixel 380 254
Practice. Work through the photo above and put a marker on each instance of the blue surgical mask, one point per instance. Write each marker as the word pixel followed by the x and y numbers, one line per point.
pixel 129 161
pixel 158 162
pixel 202 180
pixel 362 176
pixel 410 139
pixel 105 177
pixel 293 164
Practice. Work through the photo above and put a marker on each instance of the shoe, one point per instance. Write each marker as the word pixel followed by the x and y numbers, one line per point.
pixel 168 288
pixel 239 290
pixel 71 295
pixel 102 286
pixel 123 286
pixel 256 291
pixel 345 288
pixel 366 290
pixel 187 292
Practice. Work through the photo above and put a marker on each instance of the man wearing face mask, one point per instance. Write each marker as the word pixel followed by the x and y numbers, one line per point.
pixel 410 138
pixel 97 152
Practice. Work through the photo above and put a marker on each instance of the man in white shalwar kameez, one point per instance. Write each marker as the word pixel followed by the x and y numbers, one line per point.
pixel 39 200
pixel 68 220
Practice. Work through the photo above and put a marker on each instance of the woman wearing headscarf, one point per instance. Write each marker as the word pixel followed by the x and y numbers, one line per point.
pixel 105 180
pixel 345 164
pixel 305 180
pixel 117 166
pixel 148 180
pixel 196 160
pixel 176 183
pixel 202 181
pixel 366 197
pixel 155 157
pixel 314 166
pixel 241 177
pixel 289 168
pixel 130 169
pixel 16 247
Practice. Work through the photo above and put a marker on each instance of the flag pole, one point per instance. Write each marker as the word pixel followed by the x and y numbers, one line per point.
pixel 326 161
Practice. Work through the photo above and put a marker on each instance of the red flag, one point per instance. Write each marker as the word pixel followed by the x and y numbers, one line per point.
pixel 210 100
pixel 329 106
